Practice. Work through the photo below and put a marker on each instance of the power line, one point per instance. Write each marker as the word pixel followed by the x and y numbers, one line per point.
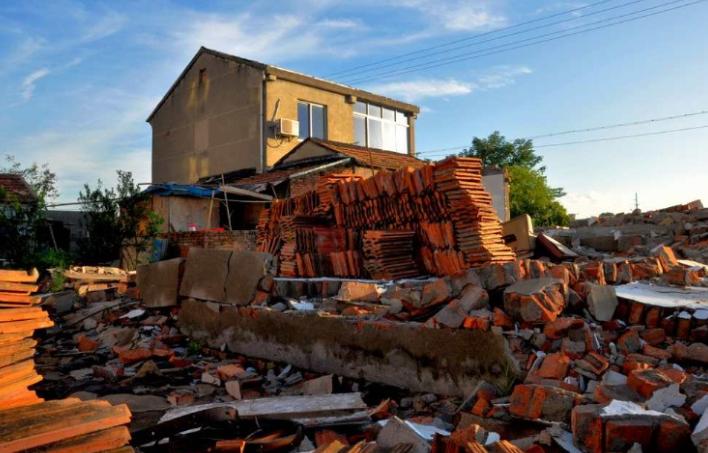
pixel 587 129
pixel 500 49
pixel 426 52
pixel 468 38
pixel 620 137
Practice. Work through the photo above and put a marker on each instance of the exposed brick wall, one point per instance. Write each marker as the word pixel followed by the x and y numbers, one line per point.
pixel 232 240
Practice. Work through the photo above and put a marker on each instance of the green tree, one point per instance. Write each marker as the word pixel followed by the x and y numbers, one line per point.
pixel 116 219
pixel 26 238
pixel 529 190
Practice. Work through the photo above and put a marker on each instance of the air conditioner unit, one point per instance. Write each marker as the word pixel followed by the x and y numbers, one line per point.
pixel 289 128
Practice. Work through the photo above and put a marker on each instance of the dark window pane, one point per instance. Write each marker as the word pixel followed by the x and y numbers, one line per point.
pixel 303 117
pixel 375 134
pixel 359 130
pixel 319 121
pixel 360 107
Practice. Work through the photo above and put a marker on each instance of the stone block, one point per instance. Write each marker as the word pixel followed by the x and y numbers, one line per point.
pixel 246 270
pixel 159 282
pixel 205 274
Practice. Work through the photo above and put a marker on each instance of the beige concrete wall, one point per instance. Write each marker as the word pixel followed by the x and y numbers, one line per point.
pixel 208 127
pixel 282 97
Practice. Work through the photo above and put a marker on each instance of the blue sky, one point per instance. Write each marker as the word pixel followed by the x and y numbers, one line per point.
pixel 78 80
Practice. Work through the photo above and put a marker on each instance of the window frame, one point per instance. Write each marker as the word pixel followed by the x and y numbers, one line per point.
pixel 395 123
pixel 309 119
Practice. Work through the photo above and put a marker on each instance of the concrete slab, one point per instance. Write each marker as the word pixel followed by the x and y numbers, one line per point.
pixel 246 269
pixel 405 355
pixel 159 282
pixel 205 274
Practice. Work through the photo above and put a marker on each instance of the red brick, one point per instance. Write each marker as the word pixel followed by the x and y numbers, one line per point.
pixel 85 344
pixel 653 336
pixel 130 356
pixel 542 401
pixel 636 310
pixel 586 426
pixel 673 436
pixel 559 328
pixel 645 382
pixel 554 366
pixel 621 434
pixel 657 353
pixel 481 407
pixel 652 318
pixel 629 342
pixel 501 319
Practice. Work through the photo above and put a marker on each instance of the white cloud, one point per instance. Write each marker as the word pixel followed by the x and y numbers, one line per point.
pixel 29 82
pixel 593 203
pixel 339 23
pixel 502 76
pixel 457 15
pixel 104 26
pixel 415 90
pixel 264 38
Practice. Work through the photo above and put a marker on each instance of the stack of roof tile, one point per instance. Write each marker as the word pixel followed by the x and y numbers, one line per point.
pixel 451 217
pixel 389 254
pixel 478 233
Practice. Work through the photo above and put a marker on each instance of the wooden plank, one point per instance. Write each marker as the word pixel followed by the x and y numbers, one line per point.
pixel 22 326
pixel 98 441
pixel 283 407
pixel 19 298
pixel 19 276
pixel 36 429
pixel 24 288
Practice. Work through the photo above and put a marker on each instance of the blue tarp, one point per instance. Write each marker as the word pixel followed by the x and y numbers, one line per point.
pixel 184 190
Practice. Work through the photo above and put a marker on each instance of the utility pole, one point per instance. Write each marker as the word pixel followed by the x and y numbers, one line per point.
pixel 636 201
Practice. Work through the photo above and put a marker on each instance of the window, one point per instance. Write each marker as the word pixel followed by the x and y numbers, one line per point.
pixel 312 119
pixel 380 127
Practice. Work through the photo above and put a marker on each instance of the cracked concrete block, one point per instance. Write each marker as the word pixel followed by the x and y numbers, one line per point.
pixel 159 282
pixel 205 274
pixel 246 270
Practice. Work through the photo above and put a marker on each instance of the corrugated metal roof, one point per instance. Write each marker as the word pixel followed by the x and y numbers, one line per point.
pixel 16 185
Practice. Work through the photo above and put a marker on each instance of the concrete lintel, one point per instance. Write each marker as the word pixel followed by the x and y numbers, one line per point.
pixel 405 355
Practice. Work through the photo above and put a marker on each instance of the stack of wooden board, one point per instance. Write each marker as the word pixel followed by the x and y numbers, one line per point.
pixel 389 254
pixel 478 232
pixel 16 288
pixel 68 425
pixel 87 279
pixel 17 371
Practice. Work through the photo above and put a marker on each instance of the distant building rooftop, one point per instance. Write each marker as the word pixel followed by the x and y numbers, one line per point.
pixel 16 186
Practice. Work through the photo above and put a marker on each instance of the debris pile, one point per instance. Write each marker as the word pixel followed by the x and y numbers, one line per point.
pixel 684 228
pixel 100 281
pixel 443 205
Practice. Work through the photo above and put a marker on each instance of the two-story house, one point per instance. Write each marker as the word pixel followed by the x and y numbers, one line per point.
pixel 225 113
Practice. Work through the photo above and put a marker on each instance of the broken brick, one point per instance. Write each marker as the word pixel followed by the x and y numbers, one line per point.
pixel 536 300
pixel 653 336
pixel 542 401
pixel 554 366
pixel 587 428
pixel 629 342
pixel 646 381
pixel 621 434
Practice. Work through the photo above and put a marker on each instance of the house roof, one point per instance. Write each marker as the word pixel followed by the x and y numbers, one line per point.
pixel 275 176
pixel 16 185
pixel 367 157
pixel 293 76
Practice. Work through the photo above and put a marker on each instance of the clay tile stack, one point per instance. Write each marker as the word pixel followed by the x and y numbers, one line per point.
pixel 389 254
pixel 478 233
pixel 68 425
